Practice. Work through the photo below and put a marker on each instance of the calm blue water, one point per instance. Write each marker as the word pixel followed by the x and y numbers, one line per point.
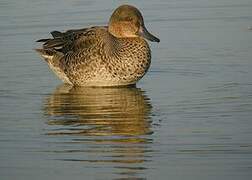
pixel 190 117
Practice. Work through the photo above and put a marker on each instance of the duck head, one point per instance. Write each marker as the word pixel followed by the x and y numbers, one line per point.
pixel 127 21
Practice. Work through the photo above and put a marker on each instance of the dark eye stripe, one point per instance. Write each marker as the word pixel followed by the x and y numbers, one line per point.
pixel 128 19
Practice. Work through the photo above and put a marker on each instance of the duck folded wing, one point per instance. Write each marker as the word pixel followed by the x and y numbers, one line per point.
pixel 71 40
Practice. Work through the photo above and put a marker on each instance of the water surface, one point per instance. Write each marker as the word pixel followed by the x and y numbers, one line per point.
pixel 188 118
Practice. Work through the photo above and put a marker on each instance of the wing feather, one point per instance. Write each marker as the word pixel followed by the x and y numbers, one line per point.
pixel 71 40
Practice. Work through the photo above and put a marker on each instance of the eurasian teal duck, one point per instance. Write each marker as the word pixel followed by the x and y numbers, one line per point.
pixel 112 55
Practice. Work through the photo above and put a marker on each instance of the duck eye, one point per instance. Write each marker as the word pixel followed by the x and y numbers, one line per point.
pixel 128 19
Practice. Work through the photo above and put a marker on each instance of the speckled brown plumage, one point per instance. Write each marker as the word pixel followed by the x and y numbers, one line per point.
pixel 101 56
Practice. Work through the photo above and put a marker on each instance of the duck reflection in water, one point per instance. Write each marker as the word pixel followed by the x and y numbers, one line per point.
pixel 114 125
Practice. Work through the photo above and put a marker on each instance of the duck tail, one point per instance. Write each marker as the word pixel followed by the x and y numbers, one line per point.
pixel 56 42
pixel 47 54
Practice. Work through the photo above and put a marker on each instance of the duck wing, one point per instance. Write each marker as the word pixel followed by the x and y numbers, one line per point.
pixel 73 53
pixel 71 40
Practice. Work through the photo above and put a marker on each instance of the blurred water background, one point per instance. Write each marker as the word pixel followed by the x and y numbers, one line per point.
pixel 190 117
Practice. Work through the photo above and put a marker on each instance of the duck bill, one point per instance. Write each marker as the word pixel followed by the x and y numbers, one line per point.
pixel 145 33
